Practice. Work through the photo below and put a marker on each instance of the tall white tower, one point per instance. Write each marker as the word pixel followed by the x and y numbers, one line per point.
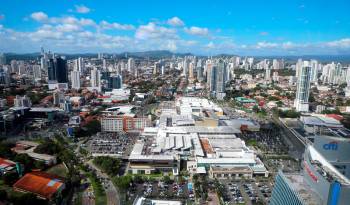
pixel 75 78
pixel 301 102
pixel 95 79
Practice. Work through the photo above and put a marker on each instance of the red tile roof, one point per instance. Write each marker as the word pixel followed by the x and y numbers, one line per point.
pixel 335 116
pixel 43 184
pixel 4 163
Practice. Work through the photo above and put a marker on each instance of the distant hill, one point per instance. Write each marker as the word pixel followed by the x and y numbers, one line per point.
pixel 156 54
pixel 153 54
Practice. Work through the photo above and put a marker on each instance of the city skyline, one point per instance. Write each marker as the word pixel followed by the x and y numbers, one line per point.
pixel 242 28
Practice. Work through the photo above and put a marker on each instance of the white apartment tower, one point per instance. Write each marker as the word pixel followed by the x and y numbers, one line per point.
pixel 301 102
pixel 75 78
pixel 95 79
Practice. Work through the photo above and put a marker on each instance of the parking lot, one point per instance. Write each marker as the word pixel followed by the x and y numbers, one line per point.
pixel 111 144
pixel 240 192
pixel 158 189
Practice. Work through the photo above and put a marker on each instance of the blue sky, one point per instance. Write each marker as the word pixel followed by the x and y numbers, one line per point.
pixel 202 27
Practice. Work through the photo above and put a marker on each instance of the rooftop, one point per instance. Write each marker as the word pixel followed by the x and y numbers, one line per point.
pixel 41 183
pixel 303 189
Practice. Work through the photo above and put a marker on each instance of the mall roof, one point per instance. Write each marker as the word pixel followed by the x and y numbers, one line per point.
pixel 318 120
pixel 40 183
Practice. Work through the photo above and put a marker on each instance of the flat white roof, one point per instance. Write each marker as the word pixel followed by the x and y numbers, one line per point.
pixel 238 161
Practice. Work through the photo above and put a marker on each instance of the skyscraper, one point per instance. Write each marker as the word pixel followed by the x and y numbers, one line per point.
pixel 131 64
pixel 57 70
pixel 2 59
pixel 301 102
pixel 79 65
pixel 318 183
pixel 37 72
pixel 75 78
pixel 115 82
pixel 220 76
pixel 95 79
pixel 268 74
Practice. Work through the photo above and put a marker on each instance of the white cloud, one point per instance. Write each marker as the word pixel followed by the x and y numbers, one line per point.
pixel 67 27
pixel 342 43
pixel 82 9
pixel 210 45
pixel 39 16
pixel 175 21
pixel 171 45
pixel 197 31
pixel 289 45
pixel 265 44
pixel 152 31
pixel 87 22
pixel 118 26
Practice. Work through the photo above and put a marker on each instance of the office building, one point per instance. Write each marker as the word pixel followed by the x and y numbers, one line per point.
pixel 95 79
pixel 75 79
pixel 319 183
pixel 2 59
pixel 57 70
pixel 115 82
pixel 79 65
pixel 131 65
pixel 4 77
pixel 301 102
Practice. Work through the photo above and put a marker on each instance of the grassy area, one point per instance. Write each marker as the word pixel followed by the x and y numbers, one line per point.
pixel 252 142
pixel 158 175
pixel 59 170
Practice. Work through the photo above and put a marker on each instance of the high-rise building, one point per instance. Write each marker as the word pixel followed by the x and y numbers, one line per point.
pixel 115 82
pixel 216 78
pixel 301 102
pixel 58 97
pixel 2 59
pixel 57 70
pixel 79 65
pixel 318 183
pixel 95 79
pixel 4 77
pixel 268 74
pixel 200 76
pixel 221 76
pixel 131 64
pixel 22 101
pixel 191 70
pixel 291 189
pixel 37 72
pixel 75 79
pixel 314 70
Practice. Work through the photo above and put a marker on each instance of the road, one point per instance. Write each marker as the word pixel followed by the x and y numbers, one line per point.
pixel 111 190
pixel 88 198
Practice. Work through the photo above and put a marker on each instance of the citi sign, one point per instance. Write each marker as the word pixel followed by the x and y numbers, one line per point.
pixel 331 146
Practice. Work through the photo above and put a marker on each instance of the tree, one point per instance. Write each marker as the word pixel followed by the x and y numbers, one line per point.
pixel 47 147
pixel 25 160
pixel 123 182
pixel 27 199
pixel 167 180
pixel 107 164
pixel 93 127
pixel 5 150
pixel 3 195
pixel 10 178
